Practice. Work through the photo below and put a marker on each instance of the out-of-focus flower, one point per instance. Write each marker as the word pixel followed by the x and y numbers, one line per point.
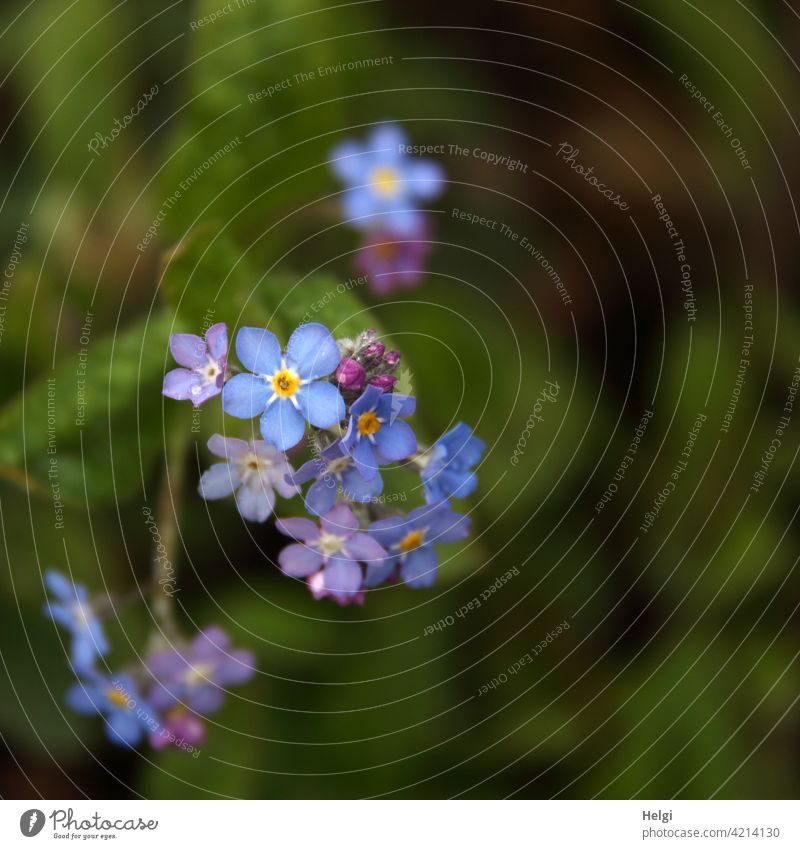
pixel 384 185
pixel 410 541
pixel 448 467
pixel 334 468
pixel 316 583
pixel 336 549
pixel 73 611
pixel 350 375
pixel 128 716
pixel 375 435
pixel 179 728
pixel 254 470
pixel 204 364
pixel 197 676
pixel 394 261
pixel 286 389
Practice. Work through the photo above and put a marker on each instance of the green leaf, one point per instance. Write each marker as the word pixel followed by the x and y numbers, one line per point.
pixel 89 433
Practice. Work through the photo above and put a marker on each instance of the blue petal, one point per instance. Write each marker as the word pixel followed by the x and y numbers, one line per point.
pixel 368 400
pixel 282 425
pixel 389 531
pixel 364 457
pixel 377 573
pixel 348 161
pixel 255 501
pixel 342 575
pixel 84 698
pixel 123 728
pixel 83 651
pixel 359 207
pixel 396 441
pixel 448 527
pixel 395 406
pixel 425 179
pixel 59 585
pixel 357 488
pixel 321 403
pixel 387 138
pixel 321 495
pixel 313 350
pixel 258 350
pixel 219 481
pixel 245 396
pixel 419 567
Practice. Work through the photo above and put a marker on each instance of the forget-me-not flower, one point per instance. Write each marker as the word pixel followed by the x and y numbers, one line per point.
pixel 286 389
pixel 448 467
pixel 384 184
pixel 410 540
pixel 73 610
pixel 204 363
pixel 254 470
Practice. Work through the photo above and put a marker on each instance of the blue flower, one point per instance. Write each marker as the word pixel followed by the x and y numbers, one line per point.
pixel 254 470
pixel 375 435
pixel 73 611
pixel 384 185
pixel 128 717
pixel 410 542
pixel 334 468
pixel 286 389
pixel 448 467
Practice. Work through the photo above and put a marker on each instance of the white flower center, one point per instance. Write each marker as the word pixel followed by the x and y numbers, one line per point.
pixel 210 371
pixel 330 544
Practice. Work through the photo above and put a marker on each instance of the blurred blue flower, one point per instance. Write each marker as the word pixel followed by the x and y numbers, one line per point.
pixel 73 611
pixel 205 363
pixel 128 716
pixel 375 435
pixel 410 540
pixel 286 389
pixel 196 677
pixel 334 468
pixel 254 470
pixel 384 184
pixel 448 466
pixel 335 549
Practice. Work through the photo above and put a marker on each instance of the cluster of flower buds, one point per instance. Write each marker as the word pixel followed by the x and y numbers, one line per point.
pixel 163 698
pixel 384 185
pixel 366 362
pixel 343 393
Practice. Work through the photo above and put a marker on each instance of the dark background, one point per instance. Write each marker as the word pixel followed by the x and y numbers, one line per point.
pixel 678 675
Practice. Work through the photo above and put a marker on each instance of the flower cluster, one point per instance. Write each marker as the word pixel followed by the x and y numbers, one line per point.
pixel 165 697
pixel 384 185
pixel 340 394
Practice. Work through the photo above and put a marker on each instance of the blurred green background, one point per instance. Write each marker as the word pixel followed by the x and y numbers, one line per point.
pixel 679 674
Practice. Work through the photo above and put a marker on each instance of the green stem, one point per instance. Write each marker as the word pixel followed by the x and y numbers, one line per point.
pixel 164 571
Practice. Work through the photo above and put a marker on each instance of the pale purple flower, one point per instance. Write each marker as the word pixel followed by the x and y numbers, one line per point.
pixel 179 728
pixel 197 676
pixel 254 471
pixel 204 364
pixel 393 261
pixel 336 549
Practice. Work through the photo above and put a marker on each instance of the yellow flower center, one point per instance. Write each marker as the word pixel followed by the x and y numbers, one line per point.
pixel 386 181
pixel 285 383
pixel 117 697
pixel 412 540
pixel 368 423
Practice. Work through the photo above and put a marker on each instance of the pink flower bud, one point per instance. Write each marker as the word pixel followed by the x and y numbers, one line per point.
pixel 392 358
pixel 373 351
pixel 385 382
pixel 350 374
